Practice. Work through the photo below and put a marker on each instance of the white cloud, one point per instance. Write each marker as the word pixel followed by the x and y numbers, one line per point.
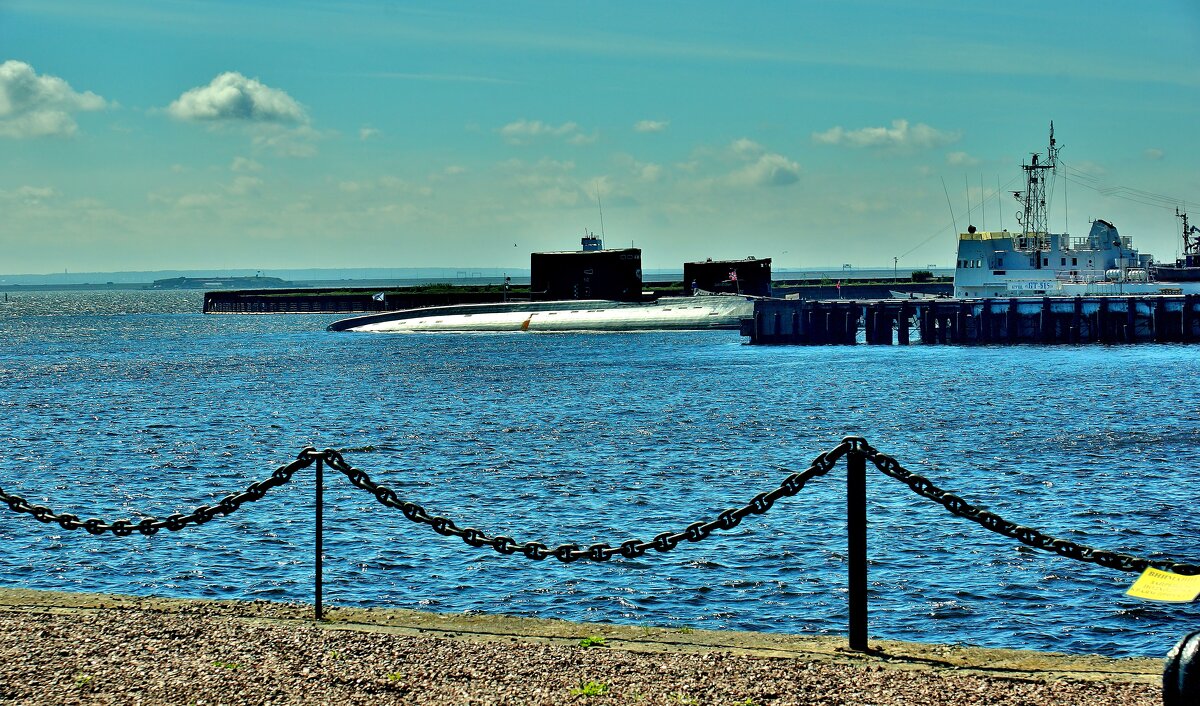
pixel 29 195
pixel 899 135
pixel 649 172
pixel 557 196
pixel 445 173
pixel 43 123
pixel 651 125
pixel 643 171
pixel 190 201
pixel 384 183
pixel 746 148
pixel 245 185
pixel 516 166
pixel 1088 168
pixel 242 164
pixel 763 169
pixel 524 127
pixel 1154 154
pixel 961 159
pixel 366 133
pixel 524 131
pixel 35 192
pixel 283 142
pixel 545 183
pixel 768 170
pixel 231 97
pixel 39 106
pixel 388 181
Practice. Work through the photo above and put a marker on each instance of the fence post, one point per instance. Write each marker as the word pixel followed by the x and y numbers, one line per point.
pixel 856 534
pixel 317 568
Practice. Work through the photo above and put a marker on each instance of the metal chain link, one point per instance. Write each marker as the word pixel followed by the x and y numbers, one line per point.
pixel 151 525
pixel 566 553
pixel 1026 535
pixel 695 532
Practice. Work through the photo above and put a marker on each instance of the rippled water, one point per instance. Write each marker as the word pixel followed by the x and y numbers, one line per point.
pixel 124 404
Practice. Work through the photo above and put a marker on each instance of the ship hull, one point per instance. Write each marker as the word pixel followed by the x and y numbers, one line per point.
pixel 665 314
pixel 1174 273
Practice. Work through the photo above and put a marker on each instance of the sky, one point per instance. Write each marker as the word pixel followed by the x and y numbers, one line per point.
pixel 175 134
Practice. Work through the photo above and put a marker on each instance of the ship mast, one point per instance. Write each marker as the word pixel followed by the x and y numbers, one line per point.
pixel 1189 247
pixel 1034 222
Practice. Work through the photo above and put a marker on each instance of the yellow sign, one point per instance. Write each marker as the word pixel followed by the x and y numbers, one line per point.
pixel 1158 585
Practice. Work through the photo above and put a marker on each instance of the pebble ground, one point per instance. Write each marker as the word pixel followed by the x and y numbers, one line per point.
pixel 207 654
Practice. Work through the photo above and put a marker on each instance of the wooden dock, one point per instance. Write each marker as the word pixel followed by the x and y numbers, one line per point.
pixel 1074 320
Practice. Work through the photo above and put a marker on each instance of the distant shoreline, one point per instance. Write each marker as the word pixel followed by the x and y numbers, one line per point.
pixel 400 277
pixel 808 276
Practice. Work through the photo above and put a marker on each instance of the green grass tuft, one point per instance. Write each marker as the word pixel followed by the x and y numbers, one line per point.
pixel 591 688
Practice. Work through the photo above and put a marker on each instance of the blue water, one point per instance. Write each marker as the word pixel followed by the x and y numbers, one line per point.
pixel 128 404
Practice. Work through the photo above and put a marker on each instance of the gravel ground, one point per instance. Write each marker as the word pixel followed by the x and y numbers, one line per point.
pixel 203 654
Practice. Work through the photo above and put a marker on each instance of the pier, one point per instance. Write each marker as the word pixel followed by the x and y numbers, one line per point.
pixel 1072 320
pixel 347 300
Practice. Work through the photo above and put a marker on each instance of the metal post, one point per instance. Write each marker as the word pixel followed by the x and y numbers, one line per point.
pixel 856 533
pixel 320 538
pixel 1181 675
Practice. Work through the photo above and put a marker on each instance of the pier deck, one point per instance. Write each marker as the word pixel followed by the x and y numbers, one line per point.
pixel 1094 319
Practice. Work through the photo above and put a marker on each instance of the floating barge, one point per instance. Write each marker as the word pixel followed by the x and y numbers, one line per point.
pixel 1098 319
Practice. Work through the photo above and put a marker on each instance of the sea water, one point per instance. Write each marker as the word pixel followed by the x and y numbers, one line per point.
pixel 132 404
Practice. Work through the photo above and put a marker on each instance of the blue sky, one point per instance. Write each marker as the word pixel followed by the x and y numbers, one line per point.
pixel 194 135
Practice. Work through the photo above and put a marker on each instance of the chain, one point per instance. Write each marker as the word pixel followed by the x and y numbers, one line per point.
pixel 1026 535
pixel 150 525
pixel 566 553
pixel 633 548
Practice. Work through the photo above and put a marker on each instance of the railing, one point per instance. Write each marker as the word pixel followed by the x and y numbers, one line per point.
pixel 1181 676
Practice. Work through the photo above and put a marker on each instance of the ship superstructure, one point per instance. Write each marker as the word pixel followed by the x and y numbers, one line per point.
pixel 1034 262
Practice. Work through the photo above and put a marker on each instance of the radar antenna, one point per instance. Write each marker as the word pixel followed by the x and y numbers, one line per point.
pixel 1034 237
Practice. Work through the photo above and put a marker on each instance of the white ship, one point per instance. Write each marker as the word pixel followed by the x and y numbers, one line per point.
pixel 712 311
pixel 1037 263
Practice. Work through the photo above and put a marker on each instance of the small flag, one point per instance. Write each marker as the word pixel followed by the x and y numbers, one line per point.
pixel 733 275
pixel 839 285
pixel 378 297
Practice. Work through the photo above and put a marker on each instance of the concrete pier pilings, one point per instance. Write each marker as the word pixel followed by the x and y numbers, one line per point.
pixel 1072 320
